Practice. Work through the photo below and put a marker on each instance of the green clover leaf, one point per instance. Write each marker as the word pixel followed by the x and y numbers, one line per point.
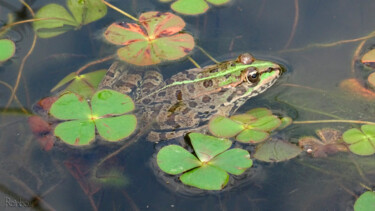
pixel 107 114
pixel 209 169
pixel 252 127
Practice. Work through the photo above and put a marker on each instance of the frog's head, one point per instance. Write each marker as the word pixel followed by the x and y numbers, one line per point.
pixel 256 77
pixel 259 75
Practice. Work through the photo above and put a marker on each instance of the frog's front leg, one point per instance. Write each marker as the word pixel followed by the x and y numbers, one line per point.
pixel 120 79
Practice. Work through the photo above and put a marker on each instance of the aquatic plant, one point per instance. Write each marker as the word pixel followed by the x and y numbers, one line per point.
pixel 156 38
pixel 107 113
pixel 253 126
pixel 208 169
pixel 57 20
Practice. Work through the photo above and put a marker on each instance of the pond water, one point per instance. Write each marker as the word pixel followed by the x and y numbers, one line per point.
pixel 59 179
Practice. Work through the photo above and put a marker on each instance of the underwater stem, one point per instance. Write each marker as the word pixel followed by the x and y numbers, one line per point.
pixel 334 121
pixel 120 11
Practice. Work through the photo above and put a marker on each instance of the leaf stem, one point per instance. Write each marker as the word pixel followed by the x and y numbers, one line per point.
pixel 20 70
pixel 325 45
pixel 194 62
pixel 334 121
pixel 94 63
pixel 208 55
pixel 120 11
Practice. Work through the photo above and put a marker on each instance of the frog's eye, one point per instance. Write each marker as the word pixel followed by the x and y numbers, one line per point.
pixel 252 75
pixel 245 58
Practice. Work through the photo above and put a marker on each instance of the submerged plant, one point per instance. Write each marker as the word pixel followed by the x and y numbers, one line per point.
pixel 107 114
pixel 208 169
pixel 157 37
pixel 252 127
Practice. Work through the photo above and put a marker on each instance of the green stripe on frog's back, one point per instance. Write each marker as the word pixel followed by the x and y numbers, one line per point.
pixel 232 69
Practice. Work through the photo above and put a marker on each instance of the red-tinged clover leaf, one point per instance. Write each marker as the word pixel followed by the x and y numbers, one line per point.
pixel 161 24
pixel 206 177
pixel 207 147
pixel 174 159
pixel 223 127
pixel 57 20
pixel 234 161
pixel 76 132
pixel 366 202
pixel 7 49
pixel 276 150
pixel 108 102
pixel 84 85
pixel 116 128
pixel 71 106
pixel 209 171
pixel 105 104
pixel 157 38
pixel 362 142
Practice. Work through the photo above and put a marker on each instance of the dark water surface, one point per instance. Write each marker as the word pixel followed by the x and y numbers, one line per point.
pixel 262 27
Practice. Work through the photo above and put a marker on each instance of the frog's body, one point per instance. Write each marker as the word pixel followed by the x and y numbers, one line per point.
pixel 188 99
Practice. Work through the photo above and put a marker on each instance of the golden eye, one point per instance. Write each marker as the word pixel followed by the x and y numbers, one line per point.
pixel 252 75
pixel 245 58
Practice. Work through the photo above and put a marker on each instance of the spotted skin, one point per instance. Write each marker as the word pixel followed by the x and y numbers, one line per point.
pixel 177 105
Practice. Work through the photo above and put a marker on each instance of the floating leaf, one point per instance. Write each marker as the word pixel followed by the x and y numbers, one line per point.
pixel 330 142
pixel 252 136
pixel 371 80
pixel 105 104
pixel 276 150
pixel 84 85
pixel 71 106
pixel 362 142
pixel 194 7
pixel 252 127
pixel 207 147
pixel 285 122
pixel 366 202
pixel 259 112
pixel 206 177
pixel 234 161
pixel 156 38
pixel 116 128
pixel 190 7
pixel 209 170
pixel 369 57
pixel 76 132
pixel 174 159
pixel 7 49
pixel 224 127
pixel 58 20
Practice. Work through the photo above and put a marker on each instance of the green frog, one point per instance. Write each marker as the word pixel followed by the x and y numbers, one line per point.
pixel 187 100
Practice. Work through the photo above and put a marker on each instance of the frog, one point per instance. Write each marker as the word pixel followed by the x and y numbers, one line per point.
pixel 186 101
